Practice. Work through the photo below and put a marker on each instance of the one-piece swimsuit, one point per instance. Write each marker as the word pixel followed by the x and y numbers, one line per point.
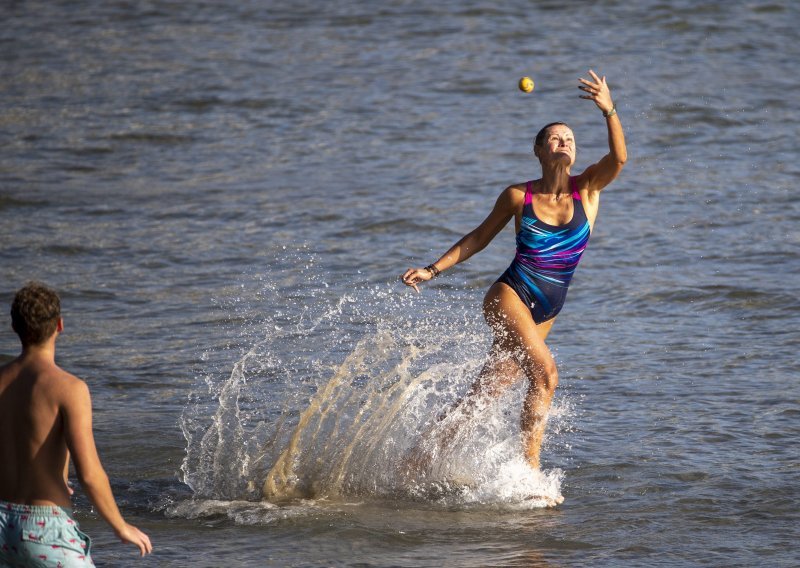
pixel 547 256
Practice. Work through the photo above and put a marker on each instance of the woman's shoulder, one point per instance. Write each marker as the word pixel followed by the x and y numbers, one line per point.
pixel 516 191
pixel 512 197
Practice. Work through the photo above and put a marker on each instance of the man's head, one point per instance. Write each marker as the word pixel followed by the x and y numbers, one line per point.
pixel 35 313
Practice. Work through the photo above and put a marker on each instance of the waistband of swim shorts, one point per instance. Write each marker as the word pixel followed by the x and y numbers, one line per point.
pixel 38 510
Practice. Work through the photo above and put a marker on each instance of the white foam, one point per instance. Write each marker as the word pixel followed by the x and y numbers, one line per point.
pixel 334 415
pixel 241 512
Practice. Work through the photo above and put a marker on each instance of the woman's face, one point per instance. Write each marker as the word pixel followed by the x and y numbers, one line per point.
pixel 558 144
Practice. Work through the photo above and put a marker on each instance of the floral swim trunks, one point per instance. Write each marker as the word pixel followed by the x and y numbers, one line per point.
pixel 41 536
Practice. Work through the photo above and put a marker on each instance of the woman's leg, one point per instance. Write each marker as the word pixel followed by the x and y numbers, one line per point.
pixel 516 335
pixel 499 372
pixel 518 350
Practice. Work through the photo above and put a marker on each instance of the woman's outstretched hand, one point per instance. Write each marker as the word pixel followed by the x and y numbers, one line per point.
pixel 414 276
pixel 597 91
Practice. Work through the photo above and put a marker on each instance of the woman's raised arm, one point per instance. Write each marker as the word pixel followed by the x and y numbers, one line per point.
pixel 599 175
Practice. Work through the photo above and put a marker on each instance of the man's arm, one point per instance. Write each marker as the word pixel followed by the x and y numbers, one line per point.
pixel 66 474
pixel 77 411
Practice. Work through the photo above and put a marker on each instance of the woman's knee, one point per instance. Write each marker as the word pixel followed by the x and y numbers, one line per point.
pixel 543 375
pixel 513 337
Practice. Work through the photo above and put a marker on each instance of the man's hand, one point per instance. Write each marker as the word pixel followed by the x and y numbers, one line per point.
pixel 131 534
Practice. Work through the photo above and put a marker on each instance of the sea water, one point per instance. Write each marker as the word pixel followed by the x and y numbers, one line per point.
pixel 226 194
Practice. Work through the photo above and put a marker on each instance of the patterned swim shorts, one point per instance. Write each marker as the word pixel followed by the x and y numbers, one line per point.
pixel 41 536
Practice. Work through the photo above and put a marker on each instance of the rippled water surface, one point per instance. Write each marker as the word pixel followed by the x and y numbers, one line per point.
pixel 225 194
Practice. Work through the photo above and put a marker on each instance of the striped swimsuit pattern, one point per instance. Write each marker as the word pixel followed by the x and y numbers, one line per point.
pixel 547 257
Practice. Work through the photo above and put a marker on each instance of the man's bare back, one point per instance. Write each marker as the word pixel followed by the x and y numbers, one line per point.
pixel 35 396
pixel 46 419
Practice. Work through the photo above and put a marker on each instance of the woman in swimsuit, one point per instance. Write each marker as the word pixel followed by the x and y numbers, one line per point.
pixel 554 216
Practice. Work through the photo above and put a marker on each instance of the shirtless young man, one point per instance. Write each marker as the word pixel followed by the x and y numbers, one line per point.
pixel 46 416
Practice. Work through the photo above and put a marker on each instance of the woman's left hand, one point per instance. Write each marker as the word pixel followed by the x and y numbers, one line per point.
pixel 598 92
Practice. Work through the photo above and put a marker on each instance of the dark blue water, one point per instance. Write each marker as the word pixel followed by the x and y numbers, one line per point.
pixel 225 194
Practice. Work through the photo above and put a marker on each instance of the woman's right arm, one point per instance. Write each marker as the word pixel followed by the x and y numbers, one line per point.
pixel 473 242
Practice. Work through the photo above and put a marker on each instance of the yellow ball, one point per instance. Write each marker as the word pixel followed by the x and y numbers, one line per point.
pixel 526 84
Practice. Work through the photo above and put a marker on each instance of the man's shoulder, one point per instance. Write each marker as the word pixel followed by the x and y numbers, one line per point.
pixel 60 379
pixel 8 365
pixel 42 387
pixel 57 383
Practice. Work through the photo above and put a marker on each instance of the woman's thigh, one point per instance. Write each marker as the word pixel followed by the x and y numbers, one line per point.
pixel 514 330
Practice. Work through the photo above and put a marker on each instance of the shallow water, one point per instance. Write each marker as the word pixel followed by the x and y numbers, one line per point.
pixel 225 195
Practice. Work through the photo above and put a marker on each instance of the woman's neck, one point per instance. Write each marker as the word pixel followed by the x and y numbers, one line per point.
pixel 555 180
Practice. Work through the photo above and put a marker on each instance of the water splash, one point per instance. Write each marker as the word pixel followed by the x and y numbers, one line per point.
pixel 331 406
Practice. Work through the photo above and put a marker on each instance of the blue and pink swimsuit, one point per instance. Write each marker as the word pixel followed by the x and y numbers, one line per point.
pixel 547 256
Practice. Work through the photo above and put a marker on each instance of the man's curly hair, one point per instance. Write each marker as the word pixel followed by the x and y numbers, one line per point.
pixel 35 312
